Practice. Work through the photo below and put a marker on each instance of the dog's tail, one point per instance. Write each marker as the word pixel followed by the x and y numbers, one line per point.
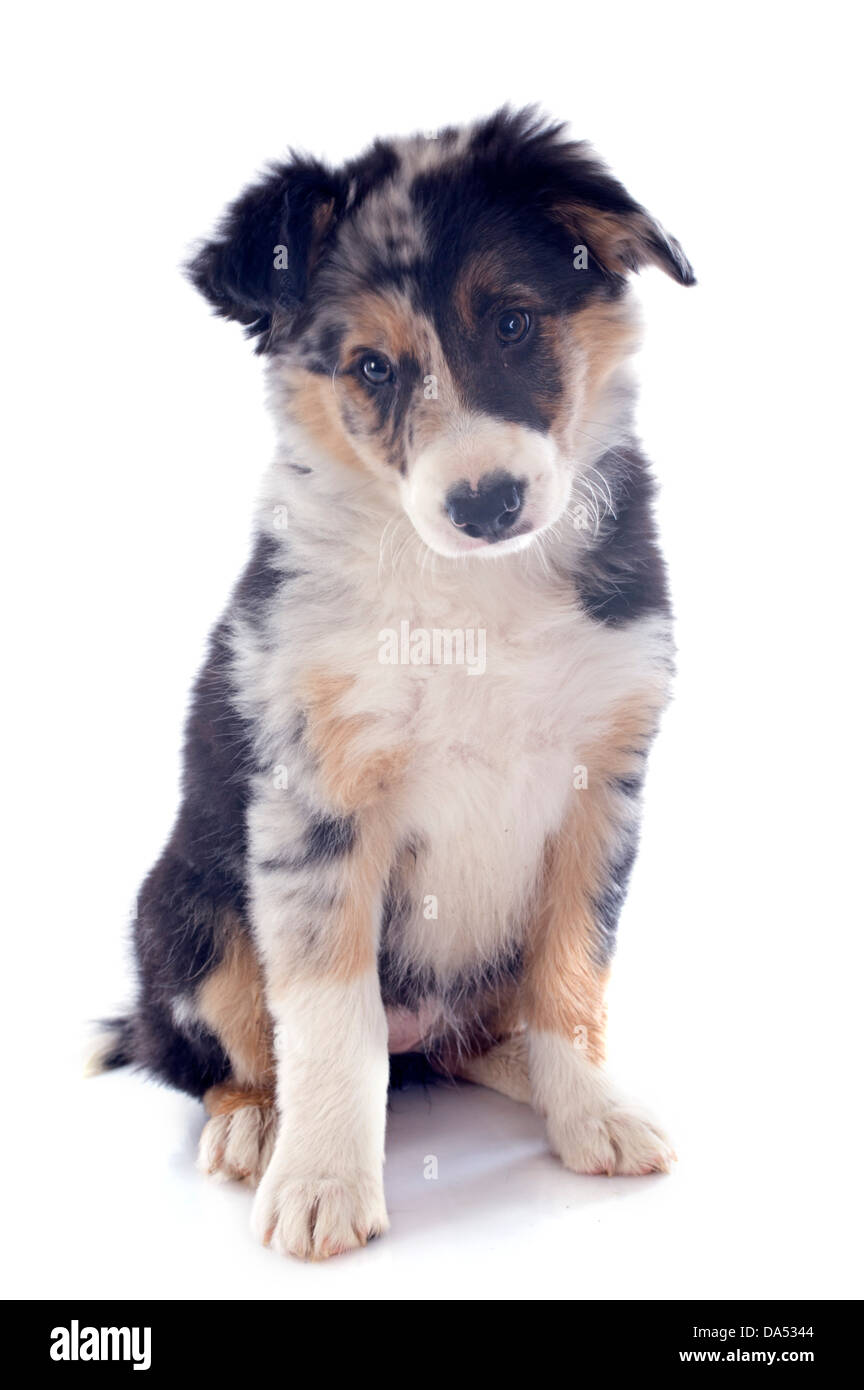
pixel 112 1048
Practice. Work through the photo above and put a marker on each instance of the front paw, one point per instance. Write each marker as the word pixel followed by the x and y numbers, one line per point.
pixel 610 1141
pixel 315 1217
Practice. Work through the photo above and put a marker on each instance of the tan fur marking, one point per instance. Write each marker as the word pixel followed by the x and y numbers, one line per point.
pixel 487 273
pixel 602 336
pixel 353 779
pixel 620 241
pixel 231 1003
pixel 315 407
pixel 226 1098
pixel 353 947
pixel 386 322
pixel 565 986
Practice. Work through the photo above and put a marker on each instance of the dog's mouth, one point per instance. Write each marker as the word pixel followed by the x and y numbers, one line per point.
pixel 500 514
pixel 445 539
pixel 519 538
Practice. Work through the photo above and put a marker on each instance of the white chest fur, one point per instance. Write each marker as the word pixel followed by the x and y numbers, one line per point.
pixel 495 684
pixel 496 755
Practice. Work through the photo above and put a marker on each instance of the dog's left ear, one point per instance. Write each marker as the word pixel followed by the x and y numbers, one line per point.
pixel 256 268
pixel 617 230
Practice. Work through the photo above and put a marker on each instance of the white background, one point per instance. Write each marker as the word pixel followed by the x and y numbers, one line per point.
pixel 136 438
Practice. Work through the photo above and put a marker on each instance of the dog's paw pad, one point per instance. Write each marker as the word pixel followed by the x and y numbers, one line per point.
pixel 236 1147
pixel 314 1218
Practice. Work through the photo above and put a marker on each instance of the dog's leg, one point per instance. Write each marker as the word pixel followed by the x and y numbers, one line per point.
pixel 503 1068
pixel 317 891
pixel 589 1125
pixel 237 1139
pixel 322 1192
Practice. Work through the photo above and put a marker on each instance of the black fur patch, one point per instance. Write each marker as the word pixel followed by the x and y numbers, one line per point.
pixel 240 270
pixel 327 838
pixel 413 1069
pixel 608 905
pixel 624 576
pixel 404 986
pixel 122 1050
pixel 199 881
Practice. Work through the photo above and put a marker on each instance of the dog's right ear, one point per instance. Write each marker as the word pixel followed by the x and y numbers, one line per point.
pixel 256 268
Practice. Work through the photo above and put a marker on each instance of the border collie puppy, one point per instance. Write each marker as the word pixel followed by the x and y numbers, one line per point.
pixel 415 751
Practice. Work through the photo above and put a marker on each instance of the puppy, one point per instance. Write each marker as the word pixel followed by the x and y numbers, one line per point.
pixel 415 751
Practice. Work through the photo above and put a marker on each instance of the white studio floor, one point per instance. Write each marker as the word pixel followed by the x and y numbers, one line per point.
pixel 502 1220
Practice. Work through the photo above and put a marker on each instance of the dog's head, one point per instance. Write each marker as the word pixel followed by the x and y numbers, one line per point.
pixel 447 313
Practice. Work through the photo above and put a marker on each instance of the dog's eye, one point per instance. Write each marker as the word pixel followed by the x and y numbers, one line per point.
pixel 377 368
pixel 513 326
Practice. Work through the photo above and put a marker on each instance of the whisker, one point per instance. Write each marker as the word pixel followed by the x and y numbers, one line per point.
pixel 604 487
pixel 609 450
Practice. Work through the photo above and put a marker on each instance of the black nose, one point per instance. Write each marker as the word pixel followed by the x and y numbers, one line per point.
pixel 491 511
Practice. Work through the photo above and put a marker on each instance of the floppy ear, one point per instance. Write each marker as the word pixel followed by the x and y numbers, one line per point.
pixel 620 234
pixel 534 160
pixel 256 268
